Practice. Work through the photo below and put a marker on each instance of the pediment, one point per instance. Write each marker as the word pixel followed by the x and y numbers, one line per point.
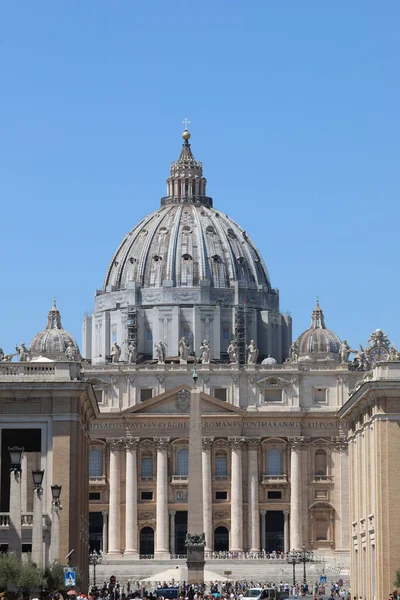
pixel 273 381
pixel 177 402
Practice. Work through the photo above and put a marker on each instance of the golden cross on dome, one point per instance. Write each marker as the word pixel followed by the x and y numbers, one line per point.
pixel 186 122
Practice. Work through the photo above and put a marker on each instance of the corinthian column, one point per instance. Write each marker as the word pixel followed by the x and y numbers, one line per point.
pixel 296 538
pixel 131 539
pixel 162 542
pixel 207 491
pixel 236 538
pixel 252 488
pixel 114 498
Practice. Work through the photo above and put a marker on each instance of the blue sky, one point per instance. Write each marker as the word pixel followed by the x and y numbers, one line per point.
pixel 294 110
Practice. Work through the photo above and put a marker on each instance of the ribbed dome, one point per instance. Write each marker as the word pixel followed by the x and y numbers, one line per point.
pixel 318 341
pixel 54 342
pixel 186 242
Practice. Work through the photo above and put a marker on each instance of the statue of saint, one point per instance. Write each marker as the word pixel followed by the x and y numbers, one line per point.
pixel 23 352
pixel 233 352
pixel 253 353
pixel 70 352
pixel 294 352
pixel 1 354
pixel 115 352
pixel 161 352
pixel 205 352
pixel 132 353
pixel 184 349
pixel 345 351
pixel 394 354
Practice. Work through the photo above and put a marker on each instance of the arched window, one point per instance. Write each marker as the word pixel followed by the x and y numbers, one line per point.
pixel 182 462
pixel 274 462
pixel 320 463
pixel 95 469
pixel 146 541
pixel 221 539
pixel 147 466
pixel 221 464
pixel 321 528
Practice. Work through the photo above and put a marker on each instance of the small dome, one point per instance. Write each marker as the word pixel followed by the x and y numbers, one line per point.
pixel 270 360
pixel 318 341
pixel 54 342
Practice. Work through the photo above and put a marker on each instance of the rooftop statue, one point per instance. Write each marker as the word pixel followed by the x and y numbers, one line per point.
pixel 115 352
pixel 205 352
pixel 23 352
pixel 294 352
pixel 253 353
pixel 132 353
pixel 345 351
pixel 70 352
pixel 161 352
pixel 233 352
pixel 184 349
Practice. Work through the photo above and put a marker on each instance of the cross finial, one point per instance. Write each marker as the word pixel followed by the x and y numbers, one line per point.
pixel 186 122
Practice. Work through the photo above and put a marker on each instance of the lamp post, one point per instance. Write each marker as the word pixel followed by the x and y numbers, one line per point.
pixel 304 558
pixel 94 559
pixel 15 528
pixel 55 523
pixel 37 533
pixel 292 559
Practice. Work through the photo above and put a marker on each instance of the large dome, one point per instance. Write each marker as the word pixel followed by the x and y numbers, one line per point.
pixel 318 342
pixel 54 342
pixel 186 241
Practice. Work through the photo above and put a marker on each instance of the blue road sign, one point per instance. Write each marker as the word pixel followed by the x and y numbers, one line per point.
pixel 322 578
pixel 69 578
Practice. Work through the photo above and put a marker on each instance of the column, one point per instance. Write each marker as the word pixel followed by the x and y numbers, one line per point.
pixel 114 499
pixel 105 531
pixel 55 532
pixel 37 528
pixel 286 547
pixel 131 522
pixel 296 538
pixel 207 491
pixel 236 537
pixel 161 550
pixel 172 514
pixel 24 483
pixel 263 530
pixel 252 487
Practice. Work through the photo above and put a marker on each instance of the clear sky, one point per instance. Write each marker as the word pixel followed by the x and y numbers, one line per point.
pixel 294 110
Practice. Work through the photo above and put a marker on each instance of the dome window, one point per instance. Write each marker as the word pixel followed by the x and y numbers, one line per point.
pixel 187 257
pixel 240 260
pixel 186 230
pixel 163 231
pixel 132 260
pixel 231 233
pixel 143 233
pixel 216 258
pixel 116 263
pixel 210 229
pixel 157 258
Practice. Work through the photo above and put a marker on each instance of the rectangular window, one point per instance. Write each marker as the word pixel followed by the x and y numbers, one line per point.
pixel 221 495
pixel 320 395
pixel 273 395
pixel 274 495
pixel 94 496
pixel 221 467
pixel 147 466
pixel 114 337
pixel 186 332
pixel 149 335
pixel 220 393
pixel 146 394
pixel 146 495
pixel 225 333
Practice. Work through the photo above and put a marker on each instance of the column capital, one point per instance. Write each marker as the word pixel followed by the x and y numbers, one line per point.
pixel 131 444
pixel 207 443
pixel 236 443
pixel 286 511
pixel 297 443
pixel 339 442
pixel 104 513
pixel 172 513
pixel 161 443
pixel 114 444
pixel 263 512
pixel 253 443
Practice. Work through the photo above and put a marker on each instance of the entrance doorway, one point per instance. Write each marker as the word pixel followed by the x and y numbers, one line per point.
pixel 147 541
pixel 181 527
pixel 274 536
pixel 221 539
pixel 95 531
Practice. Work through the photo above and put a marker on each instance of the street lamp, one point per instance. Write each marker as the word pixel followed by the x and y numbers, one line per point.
pixel 55 523
pixel 37 532
pixel 292 560
pixel 304 557
pixel 15 527
pixel 94 559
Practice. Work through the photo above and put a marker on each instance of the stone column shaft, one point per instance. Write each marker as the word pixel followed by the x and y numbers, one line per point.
pixel 105 531
pixel 55 534
pixel 207 491
pixel 114 500
pixel 263 530
pixel 131 523
pixel 37 532
pixel 236 538
pixel 253 501
pixel 161 550
pixel 15 528
pixel 172 531
pixel 296 538
pixel 286 547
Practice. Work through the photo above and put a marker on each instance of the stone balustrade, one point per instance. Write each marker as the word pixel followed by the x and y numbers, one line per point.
pixel 32 370
pixel 26 520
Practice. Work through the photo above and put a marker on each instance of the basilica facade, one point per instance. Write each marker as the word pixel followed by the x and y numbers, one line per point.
pixel 187 301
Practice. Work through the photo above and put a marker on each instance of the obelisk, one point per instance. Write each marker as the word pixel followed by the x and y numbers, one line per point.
pixel 195 539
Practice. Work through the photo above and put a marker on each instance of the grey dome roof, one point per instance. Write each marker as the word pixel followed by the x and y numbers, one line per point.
pixel 318 341
pixel 53 341
pixel 186 241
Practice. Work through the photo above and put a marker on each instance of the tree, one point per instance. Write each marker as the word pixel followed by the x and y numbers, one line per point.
pixel 22 576
pixel 396 582
pixel 54 575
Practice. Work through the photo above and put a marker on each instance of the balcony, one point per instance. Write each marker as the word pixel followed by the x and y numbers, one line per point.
pixel 100 480
pixel 322 479
pixel 147 478
pixel 276 481
pixel 179 479
pixel 220 477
